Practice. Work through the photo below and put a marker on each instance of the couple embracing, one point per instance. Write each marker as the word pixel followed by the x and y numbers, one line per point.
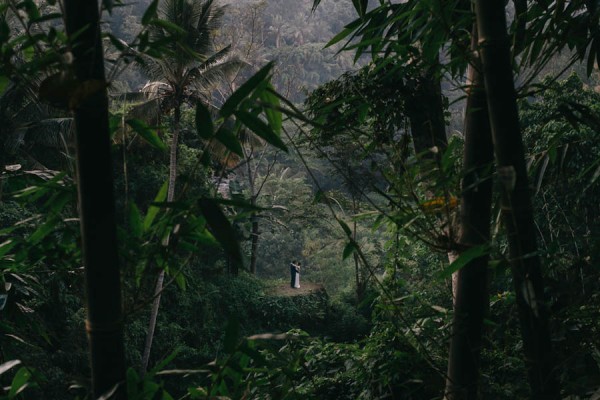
pixel 295 275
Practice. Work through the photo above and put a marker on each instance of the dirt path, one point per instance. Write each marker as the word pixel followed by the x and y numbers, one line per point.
pixel 286 290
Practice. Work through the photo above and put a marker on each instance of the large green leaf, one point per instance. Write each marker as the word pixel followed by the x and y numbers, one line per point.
pixel 221 228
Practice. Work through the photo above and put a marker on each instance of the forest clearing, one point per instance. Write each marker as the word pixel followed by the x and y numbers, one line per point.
pixel 279 199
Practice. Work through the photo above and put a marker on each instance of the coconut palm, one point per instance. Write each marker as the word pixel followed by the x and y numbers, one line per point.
pixel 184 74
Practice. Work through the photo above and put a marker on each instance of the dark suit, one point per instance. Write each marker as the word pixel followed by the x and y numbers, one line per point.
pixel 293 274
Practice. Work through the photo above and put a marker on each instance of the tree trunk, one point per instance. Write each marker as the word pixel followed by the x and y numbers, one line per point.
pixel 516 200
pixel 470 283
pixel 426 114
pixel 254 242
pixel 254 235
pixel 104 322
pixel 360 274
pixel 161 277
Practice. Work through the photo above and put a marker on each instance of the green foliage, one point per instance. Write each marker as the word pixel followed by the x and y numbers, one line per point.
pixel 561 129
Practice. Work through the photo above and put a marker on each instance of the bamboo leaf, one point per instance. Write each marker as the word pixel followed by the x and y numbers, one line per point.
pixel 150 13
pixel 43 231
pixel 163 363
pixel 348 29
pixel 44 18
pixel 232 334
pixel 19 382
pixel 108 5
pixel 463 259
pixel 4 81
pixel 230 141
pixel 135 221
pixel 349 249
pixel 8 365
pixel 221 228
pixel 256 125
pixel 153 210
pixel 274 116
pixel 204 123
pixel 168 26
pixel 149 134
pixel 180 280
pixel 345 227
pixel 360 6
pixel 591 59
pixel 132 381
pixel 244 91
pixel 5 247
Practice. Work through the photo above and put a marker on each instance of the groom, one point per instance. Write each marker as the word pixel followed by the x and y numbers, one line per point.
pixel 293 273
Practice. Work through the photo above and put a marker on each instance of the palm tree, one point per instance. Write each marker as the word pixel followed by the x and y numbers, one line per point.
pixel 184 75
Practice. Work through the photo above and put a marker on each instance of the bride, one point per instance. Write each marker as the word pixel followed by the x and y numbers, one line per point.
pixel 297 277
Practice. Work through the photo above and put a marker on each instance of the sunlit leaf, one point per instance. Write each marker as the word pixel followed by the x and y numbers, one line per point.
pixel 19 382
pixel 8 365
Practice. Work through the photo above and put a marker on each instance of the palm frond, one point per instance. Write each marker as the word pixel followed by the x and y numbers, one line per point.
pixel 50 132
pixel 208 76
pixel 157 89
pixel 148 111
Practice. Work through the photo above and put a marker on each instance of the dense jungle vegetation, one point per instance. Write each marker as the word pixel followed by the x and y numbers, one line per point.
pixel 432 164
